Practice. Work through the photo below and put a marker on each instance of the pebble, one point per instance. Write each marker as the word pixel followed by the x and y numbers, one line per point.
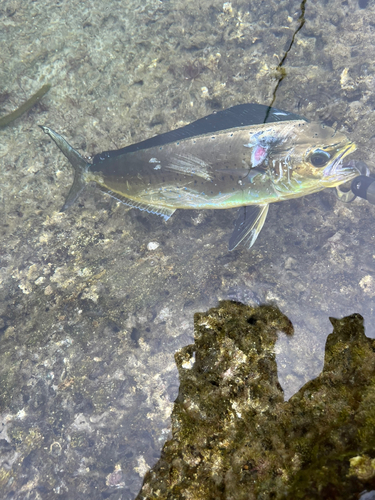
pixel 153 245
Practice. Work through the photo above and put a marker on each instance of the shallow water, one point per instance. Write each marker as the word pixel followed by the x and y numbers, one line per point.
pixel 91 314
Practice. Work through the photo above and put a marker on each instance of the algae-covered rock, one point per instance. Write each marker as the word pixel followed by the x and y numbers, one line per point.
pixel 234 436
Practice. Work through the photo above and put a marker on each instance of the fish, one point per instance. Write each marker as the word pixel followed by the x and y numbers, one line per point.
pixel 247 156
pixel 24 108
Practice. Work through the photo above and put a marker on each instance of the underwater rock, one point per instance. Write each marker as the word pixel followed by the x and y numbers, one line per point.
pixel 234 436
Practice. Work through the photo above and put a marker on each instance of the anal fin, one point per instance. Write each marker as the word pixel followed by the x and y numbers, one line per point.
pixel 248 225
pixel 164 212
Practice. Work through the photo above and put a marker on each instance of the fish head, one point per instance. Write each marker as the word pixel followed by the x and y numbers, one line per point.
pixel 317 155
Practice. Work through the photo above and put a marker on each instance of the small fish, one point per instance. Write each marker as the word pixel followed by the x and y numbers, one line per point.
pixel 246 156
pixel 8 119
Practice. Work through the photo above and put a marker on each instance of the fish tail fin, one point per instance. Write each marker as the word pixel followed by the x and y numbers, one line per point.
pixel 78 163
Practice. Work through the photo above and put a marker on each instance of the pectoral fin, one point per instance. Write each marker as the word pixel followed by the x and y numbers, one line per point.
pixel 248 225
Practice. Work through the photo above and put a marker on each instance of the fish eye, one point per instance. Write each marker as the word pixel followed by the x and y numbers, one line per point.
pixel 319 158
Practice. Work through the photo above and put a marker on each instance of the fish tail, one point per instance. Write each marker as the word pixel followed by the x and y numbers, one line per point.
pixel 78 163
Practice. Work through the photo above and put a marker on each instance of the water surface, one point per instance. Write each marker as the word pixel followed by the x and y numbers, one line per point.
pixel 91 314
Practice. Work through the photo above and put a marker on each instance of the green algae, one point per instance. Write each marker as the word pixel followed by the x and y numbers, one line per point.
pixel 26 106
pixel 234 436
pixel 5 476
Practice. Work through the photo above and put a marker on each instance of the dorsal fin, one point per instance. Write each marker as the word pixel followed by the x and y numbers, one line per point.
pixel 241 115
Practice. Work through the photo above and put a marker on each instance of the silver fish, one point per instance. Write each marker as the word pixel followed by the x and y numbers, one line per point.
pixel 246 156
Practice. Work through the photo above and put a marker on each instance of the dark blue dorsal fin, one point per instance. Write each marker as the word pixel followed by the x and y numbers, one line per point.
pixel 241 115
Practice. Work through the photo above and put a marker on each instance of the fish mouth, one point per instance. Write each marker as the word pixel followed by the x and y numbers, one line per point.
pixel 335 172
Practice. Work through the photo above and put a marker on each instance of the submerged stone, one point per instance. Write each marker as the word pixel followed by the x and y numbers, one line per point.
pixel 234 436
